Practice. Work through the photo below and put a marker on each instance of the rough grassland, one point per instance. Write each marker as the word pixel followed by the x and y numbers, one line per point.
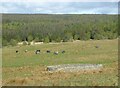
pixel 30 69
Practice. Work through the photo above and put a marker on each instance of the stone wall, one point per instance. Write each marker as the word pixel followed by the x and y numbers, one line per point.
pixel 74 67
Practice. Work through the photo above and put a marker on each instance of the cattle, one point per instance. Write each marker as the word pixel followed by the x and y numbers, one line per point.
pixel 17 51
pixel 37 51
pixel 96 46
pixel 56 53
pixel 26 51
pixel 48 51
pixel 63 51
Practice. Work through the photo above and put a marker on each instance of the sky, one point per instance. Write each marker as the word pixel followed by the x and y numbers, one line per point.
pixel 67 7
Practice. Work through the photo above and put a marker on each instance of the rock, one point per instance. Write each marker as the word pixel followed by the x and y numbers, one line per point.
pixel 74 67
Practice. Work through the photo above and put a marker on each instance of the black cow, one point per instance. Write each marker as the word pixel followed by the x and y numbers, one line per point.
pixel 37 51
pixel 63 51
pixel 48 51
pixel 17 51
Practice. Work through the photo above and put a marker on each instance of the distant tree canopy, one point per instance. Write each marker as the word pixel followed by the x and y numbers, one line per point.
pixel 57 28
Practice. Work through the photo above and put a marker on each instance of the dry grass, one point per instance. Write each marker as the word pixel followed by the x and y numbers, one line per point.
pixel 38 76
pixel 30 69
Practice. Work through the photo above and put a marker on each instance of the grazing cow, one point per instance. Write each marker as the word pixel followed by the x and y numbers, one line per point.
pixel 26 51
pixel 48 51
pixel 17 51
pixel 63 51
pixel 96 46
pixel 37 51
pixel 56 53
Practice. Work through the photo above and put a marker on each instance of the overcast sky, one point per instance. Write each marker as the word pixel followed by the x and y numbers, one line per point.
pixel 59 7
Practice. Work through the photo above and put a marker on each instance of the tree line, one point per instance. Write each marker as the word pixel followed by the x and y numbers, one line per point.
pixel 57 28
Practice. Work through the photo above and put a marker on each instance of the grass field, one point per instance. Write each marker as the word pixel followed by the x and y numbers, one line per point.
pixel 30 69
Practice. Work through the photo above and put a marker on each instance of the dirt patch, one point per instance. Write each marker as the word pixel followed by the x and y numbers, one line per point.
pixel 41 77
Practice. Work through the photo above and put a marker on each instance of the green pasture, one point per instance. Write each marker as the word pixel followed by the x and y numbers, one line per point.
pixel 22 65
